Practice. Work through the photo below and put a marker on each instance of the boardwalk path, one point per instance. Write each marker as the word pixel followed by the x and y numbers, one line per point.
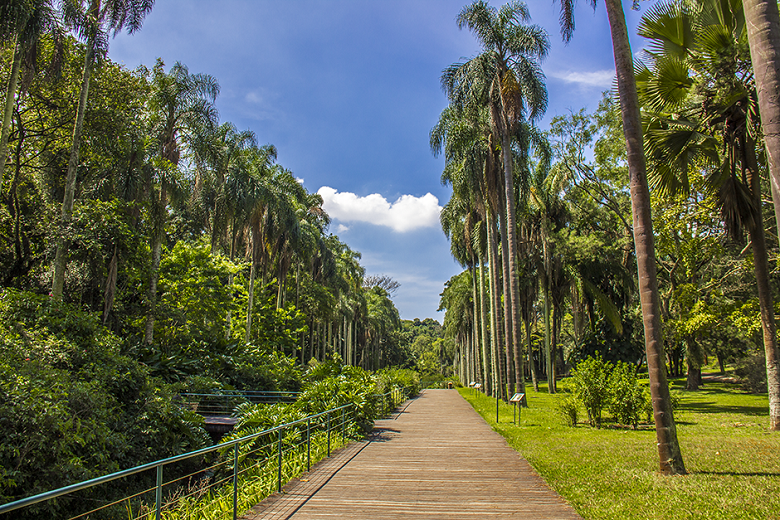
pixel 435 458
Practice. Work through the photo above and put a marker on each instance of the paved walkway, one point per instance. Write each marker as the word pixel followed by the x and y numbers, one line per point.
pixel 434 458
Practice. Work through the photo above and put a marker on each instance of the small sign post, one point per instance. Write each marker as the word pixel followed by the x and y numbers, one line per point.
pixel 517 398
pixel 477 386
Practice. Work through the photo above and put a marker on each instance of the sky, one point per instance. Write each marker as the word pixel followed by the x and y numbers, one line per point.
pixel 348 91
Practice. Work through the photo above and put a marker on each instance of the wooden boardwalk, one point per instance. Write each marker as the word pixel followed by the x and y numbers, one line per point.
pixel 434 458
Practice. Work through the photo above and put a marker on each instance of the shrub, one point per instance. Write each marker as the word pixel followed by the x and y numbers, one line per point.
pixel 627 400
pixel 569 406
pixel 591 386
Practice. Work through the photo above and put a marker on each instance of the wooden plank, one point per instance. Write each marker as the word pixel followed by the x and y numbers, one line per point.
pixel 434 458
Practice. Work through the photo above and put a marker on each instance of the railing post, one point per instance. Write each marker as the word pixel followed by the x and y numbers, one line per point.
pixel 280 460
pixel 158 493
pixel 235 481
pixel 343 440
pixel 328 415
pixel 308 444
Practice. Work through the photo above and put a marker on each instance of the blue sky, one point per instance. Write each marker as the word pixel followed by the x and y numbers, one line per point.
pixel 348 90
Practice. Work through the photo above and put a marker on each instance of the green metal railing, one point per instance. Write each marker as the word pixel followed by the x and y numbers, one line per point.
pixel 226 478
pixel 224 402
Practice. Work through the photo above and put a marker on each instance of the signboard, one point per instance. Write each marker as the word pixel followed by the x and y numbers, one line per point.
pixel 517 398
pixel 472 383
pixel 478 385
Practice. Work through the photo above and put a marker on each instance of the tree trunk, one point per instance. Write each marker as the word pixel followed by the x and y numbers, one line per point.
pixel 531 360
pixel 483 317
pixel 670 456
pixel 693 380
pixel 763 29
pixel 250 302
pixel 495 336
pixel 475 314
pixel 509 342
pixel 61 256
pixel 13 81
pixel 761 268
pixel 110 291
pixel 511 254
pixel 549 358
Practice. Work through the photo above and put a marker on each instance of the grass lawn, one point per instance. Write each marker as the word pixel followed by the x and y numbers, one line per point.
pixel 732 460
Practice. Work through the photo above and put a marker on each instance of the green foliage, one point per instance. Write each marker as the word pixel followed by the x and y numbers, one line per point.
pixel 627 400
pixel 568 406
pixel 389 378
pixel 591 379
pixel 195 298
pixel 72 406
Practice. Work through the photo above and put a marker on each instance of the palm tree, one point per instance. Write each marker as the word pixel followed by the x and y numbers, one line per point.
pixel 508 79
pixel 711 107
pixel 763 33
pixel 181 107
pixel 24 23
pixel 93 24
pixel 464 134
pixel 669 454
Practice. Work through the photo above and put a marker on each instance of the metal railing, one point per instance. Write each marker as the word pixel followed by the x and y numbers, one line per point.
pixel 211 478
pixel 224 402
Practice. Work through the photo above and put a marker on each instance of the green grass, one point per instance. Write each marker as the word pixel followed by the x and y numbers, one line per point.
pixel 732 460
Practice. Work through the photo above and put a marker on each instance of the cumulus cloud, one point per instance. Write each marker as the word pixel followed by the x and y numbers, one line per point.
pixel 405 214
pixel 599 78
pixel 341 228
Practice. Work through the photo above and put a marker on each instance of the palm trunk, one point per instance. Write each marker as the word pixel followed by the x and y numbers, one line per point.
pixel 670 456
pixel 475 310
pixel 509 342
pixel 763 25
pixel 547 347
pixel 495 330
pixel 510 255
pixel 484 328
pixel 531 361
pixel 761 268
pixel 763 28
pixel 13 81
pixel 60 258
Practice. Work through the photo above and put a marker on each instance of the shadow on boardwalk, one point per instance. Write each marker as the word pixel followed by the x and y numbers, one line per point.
pixel 434 458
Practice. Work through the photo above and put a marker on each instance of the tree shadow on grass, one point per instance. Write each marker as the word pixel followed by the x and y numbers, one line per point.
pixel 738 473
pixel 710 407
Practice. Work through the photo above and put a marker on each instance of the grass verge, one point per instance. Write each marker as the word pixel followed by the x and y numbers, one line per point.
pixel 612 473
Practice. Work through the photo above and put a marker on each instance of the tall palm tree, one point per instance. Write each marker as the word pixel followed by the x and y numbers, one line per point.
pixel 92 24
pixel 669 453
pixel 701 100
pixel 507 78
pixel 24 23
pixel 181 108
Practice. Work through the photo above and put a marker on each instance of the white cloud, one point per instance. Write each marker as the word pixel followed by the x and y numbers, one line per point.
pixel 599 78
pixel 341 228
pixel 405 214
pixel 299 180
